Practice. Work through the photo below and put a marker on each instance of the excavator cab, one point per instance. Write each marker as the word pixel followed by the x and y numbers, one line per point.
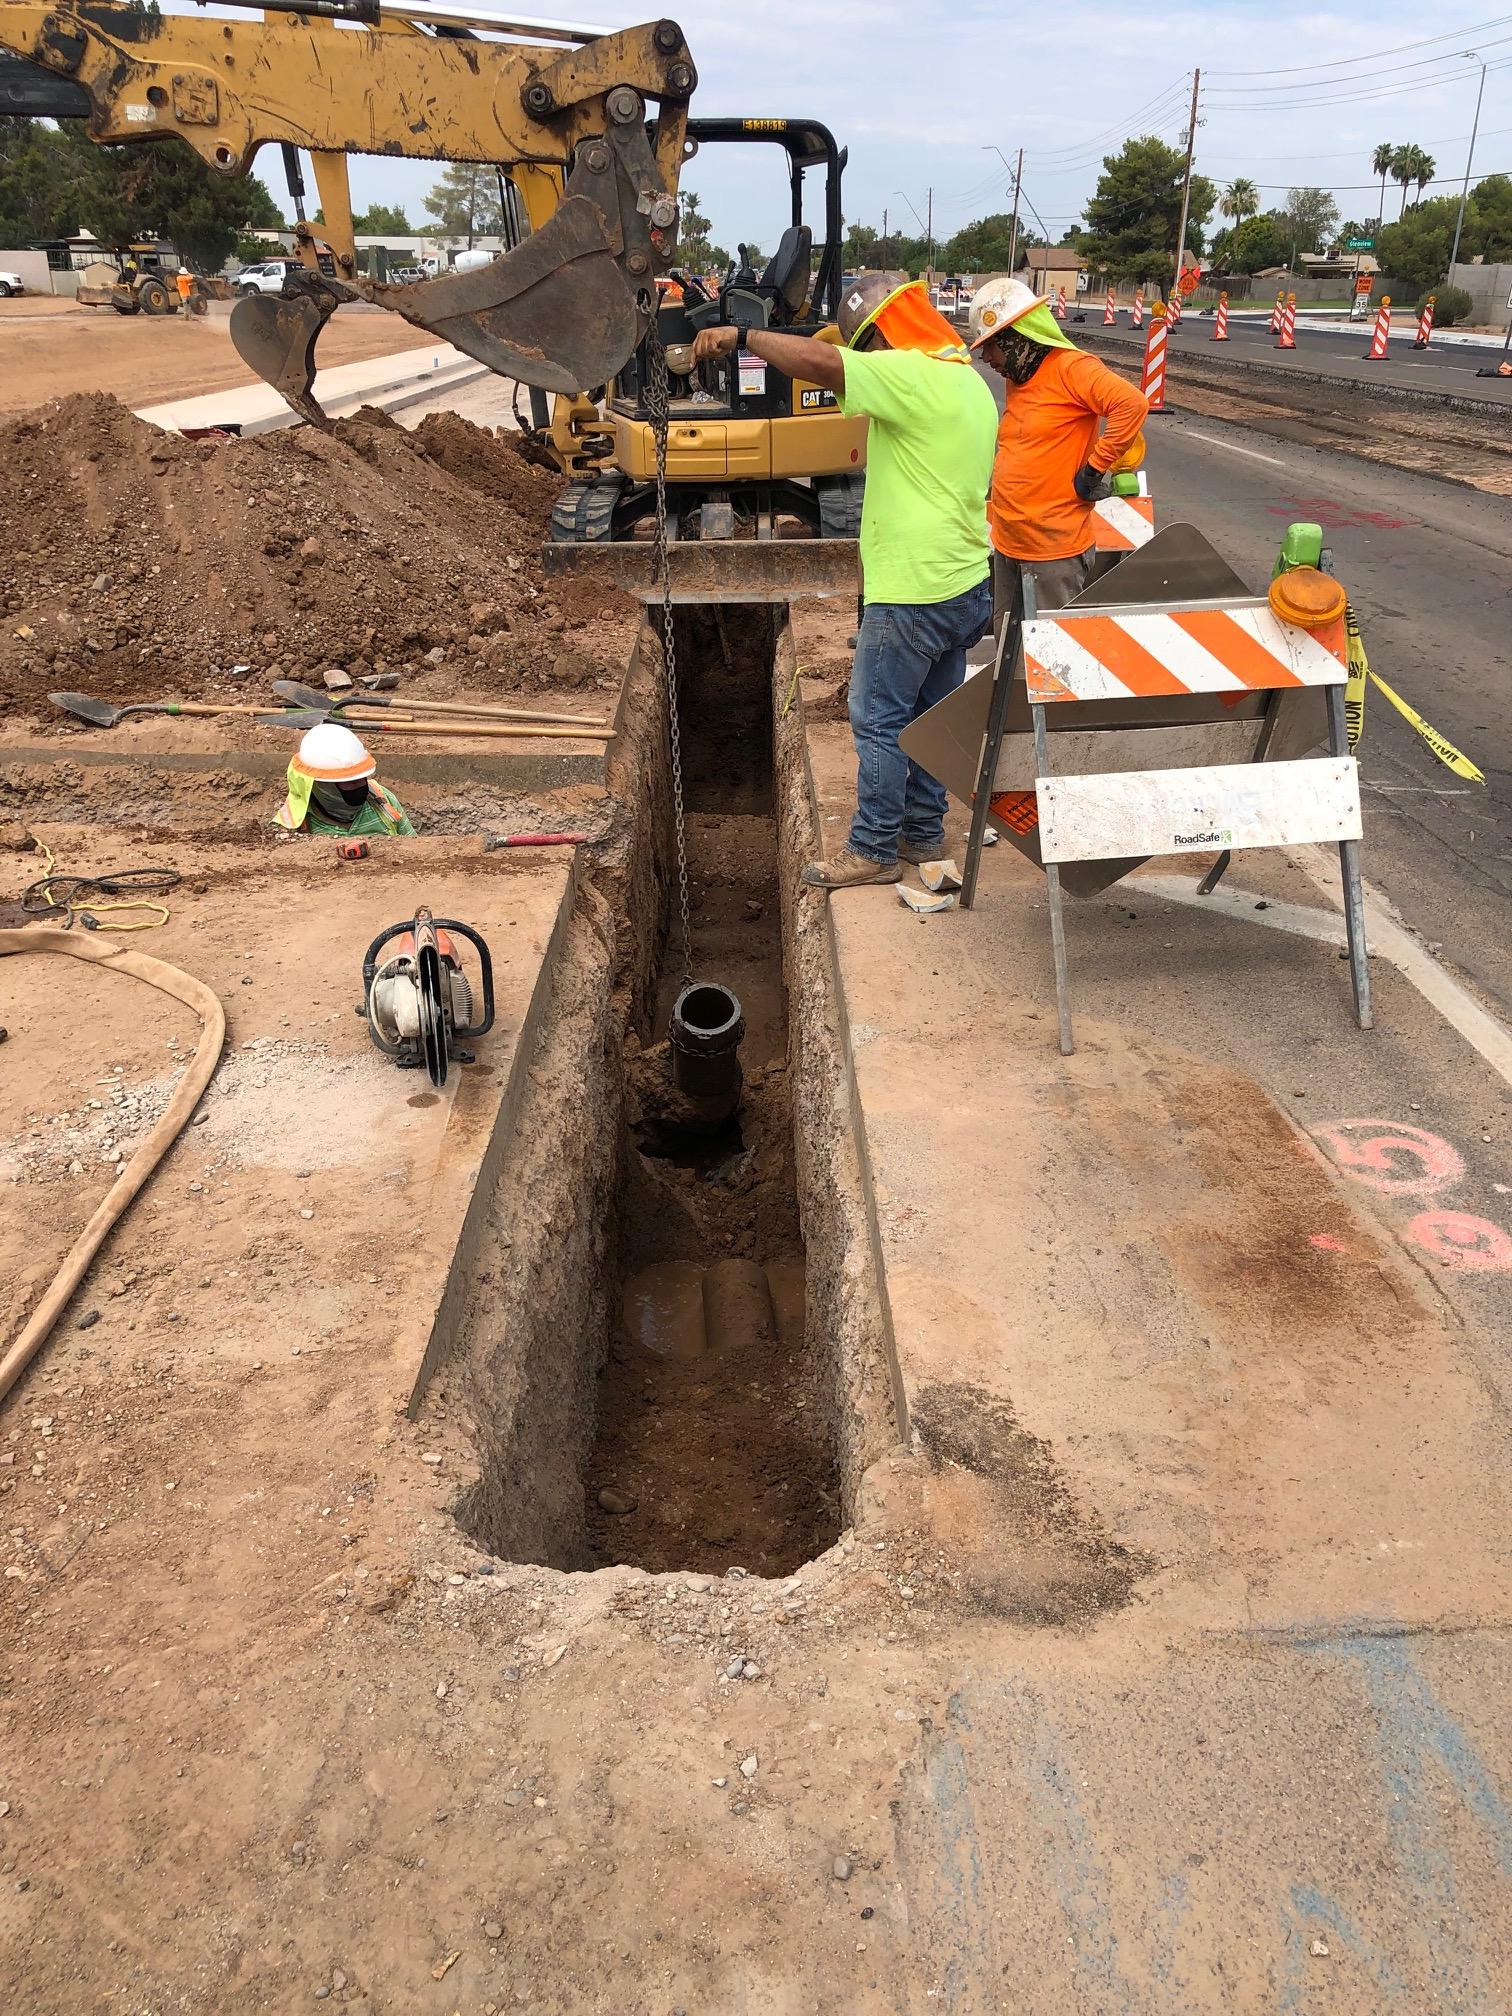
pixel 751 454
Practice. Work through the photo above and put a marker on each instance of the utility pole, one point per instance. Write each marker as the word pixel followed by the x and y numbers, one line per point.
pixel 1186 187
pixel 1018 183
pixel 884 259
pixel 929 227
pixel 1459 222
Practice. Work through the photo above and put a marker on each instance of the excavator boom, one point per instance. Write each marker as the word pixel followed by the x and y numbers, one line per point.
pixel 562 109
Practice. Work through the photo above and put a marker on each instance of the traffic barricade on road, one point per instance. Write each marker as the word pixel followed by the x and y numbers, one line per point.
pixel 1381 334
pixel 1165 710
pixel 1125 519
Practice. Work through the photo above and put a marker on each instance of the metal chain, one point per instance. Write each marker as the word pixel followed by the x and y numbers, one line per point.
pixel 658 409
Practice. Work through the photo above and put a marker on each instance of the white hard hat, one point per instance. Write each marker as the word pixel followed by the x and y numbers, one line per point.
pixel 997 304
pixel 332 754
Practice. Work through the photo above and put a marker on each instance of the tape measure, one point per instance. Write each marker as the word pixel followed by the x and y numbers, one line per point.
pixel 353 850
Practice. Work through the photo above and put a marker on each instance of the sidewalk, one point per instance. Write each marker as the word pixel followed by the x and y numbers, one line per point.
pixel 1220 1381
pixel 388 382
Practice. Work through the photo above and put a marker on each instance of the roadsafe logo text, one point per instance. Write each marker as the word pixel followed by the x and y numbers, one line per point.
pixel 1224 839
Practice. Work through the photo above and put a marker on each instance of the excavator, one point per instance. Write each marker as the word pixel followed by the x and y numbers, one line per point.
pixel 588 132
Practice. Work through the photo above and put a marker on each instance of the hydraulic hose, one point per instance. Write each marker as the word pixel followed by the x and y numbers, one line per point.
pixel 100 951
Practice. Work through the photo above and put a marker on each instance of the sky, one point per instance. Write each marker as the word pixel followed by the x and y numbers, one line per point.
pixel 920 92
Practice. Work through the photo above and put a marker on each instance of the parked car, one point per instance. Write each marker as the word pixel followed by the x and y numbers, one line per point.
pixel 266 278
pixel 10 283
pixel 406 276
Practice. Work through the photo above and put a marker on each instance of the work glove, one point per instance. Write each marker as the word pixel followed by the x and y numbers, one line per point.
pixel 1088 482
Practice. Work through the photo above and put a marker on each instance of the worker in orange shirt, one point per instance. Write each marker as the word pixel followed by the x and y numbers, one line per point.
pixel 1067 421
pixel 184 281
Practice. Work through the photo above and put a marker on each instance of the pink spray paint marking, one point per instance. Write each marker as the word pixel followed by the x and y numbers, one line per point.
pixel 1326 1243
pixel 1392 1157
pixel 1465 1244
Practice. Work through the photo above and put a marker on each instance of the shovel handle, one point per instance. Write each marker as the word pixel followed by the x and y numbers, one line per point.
pixel 488 713
pixel 490 729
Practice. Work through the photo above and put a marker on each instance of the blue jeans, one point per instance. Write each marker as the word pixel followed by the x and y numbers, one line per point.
pixel 909 655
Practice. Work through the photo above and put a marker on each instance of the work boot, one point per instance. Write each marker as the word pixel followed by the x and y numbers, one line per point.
pixel 911 852
pixel 849 870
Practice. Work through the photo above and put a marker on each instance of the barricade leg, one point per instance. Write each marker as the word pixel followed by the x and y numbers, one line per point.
pixel 1004 670
pixel 1053 891
pixel 1349 870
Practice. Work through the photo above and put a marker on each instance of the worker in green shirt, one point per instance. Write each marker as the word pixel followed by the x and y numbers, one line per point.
pixel 925 554
pixel 332 788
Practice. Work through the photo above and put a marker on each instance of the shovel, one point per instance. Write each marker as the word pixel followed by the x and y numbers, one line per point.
pixel 311 696
pixel 101 714
pixel 311 717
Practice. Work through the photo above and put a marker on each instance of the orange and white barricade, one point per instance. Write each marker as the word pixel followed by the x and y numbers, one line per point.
pixel 1276 313
pixel 1425 323
pixel 1220 321
pixel 1174 310
pixel 1381 334
pixel 1060 305
pixel 1152 382
pixel 1123 524
pixel 1110 312
pixel 1163 712
pixel 1287 338
pixel 1136 316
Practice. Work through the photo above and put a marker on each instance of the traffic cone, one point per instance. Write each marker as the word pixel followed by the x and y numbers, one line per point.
pixel 1287 340
pixel 1136 317
pixel 1275 321
pixel 1220 323
pixel 1173 312
pixel 1060 305
pixel 1425 324
pixel 1152 383
pixel 1110 313
pixel 1377 352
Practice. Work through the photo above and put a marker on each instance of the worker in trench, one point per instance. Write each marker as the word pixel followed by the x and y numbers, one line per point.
pixel 925 556
pixel 1068 422
pixel 333 788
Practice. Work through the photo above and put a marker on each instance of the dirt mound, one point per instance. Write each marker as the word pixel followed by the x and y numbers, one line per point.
pixel 134 561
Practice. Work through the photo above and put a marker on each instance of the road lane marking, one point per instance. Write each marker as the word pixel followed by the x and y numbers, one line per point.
pixel 1388 938
pixel 1217 441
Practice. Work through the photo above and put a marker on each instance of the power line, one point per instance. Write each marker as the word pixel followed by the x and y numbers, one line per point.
pixel 1449 58
pixel 1344 62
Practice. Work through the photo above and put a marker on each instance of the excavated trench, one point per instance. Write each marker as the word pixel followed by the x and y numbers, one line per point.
pixel 673 1348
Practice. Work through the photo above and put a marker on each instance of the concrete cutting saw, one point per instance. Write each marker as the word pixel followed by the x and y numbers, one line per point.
pixel 418 1001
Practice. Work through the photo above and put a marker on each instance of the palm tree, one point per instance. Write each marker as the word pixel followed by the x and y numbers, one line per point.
pixel 1424 168
pixel 1380 164
pixel 1403 162
pixel 1240 200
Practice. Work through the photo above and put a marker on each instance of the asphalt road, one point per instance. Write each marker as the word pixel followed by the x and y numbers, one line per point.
pixel 1333 353
pixel 1428 566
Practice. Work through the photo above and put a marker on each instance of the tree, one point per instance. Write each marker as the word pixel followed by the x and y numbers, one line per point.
pixel 1252 246
pixel 694 248
pixel 860 247
pixel 1241 199
pixel 382 220
pixel 982 247
pixel 1488 224
pixel 465 202
pixel 1424 168
pixel 1380 164
pixel 1310 215
pixel 1132 218
pixel 1416 248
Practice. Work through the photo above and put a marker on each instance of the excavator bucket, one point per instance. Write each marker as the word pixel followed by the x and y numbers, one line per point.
pixel 556 312
pixel 275 335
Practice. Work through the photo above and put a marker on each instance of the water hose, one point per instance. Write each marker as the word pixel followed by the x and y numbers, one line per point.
pixel 194 994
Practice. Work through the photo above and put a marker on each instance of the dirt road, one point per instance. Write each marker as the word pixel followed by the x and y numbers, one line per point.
pixel 50 348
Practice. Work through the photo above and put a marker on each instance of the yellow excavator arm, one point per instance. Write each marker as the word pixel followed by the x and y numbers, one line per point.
pixel 562 110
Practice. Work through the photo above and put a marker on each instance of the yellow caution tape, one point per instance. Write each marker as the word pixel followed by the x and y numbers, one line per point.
pixel 1354 707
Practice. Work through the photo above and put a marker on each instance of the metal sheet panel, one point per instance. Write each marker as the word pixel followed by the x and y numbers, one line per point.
pixel 1195 811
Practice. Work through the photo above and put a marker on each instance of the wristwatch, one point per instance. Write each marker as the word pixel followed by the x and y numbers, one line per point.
pixel 742 336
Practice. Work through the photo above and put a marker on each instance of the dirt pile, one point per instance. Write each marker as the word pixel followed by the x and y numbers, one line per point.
pixel 134 561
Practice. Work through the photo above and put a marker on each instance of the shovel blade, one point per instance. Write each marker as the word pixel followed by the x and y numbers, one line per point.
pixel 275 336
pixel 98 712
pixel 556 312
